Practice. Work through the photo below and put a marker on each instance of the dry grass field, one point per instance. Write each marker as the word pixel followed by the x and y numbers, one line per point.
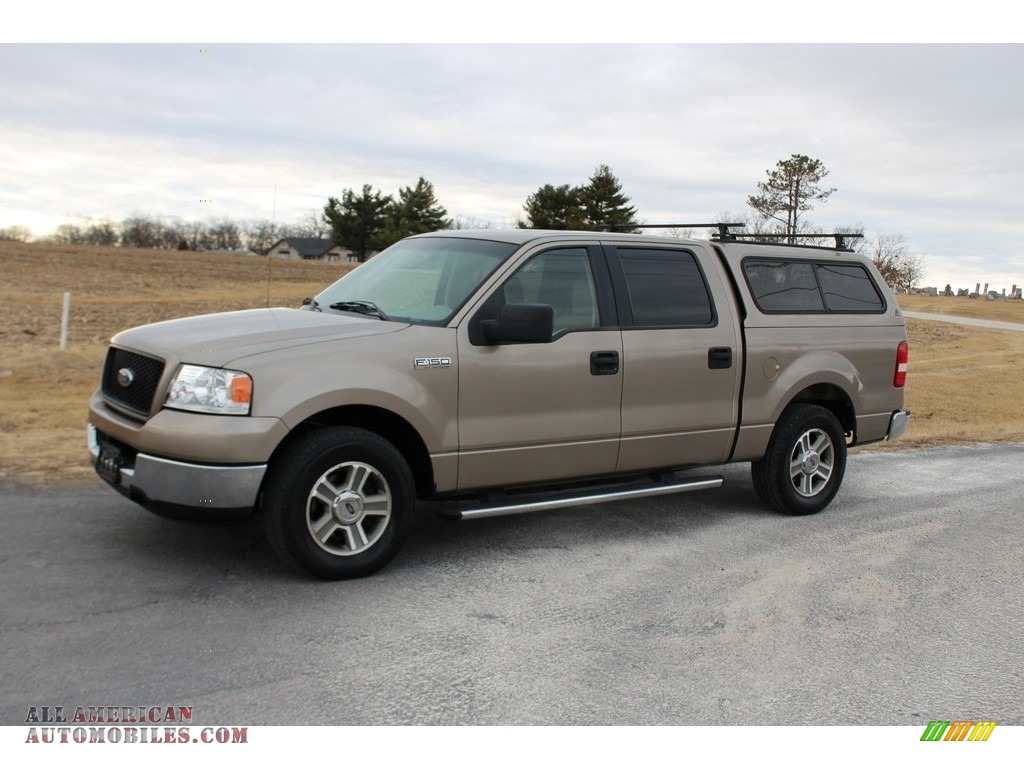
pixel 963 384
pixel 44 392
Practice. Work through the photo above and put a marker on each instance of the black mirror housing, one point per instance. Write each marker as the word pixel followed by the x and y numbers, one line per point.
pixel 520 324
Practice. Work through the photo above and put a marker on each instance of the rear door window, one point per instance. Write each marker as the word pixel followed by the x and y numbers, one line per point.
pixel 666 288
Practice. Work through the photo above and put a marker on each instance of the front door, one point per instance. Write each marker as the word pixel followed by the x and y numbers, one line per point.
pixel 529 412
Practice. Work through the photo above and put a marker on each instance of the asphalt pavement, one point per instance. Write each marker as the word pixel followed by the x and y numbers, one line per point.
pixel 899 604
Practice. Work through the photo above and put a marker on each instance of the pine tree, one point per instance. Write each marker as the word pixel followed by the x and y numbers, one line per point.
pixel 598 205
pixel 605 208
pixel 553 207
pixel 357 222
pixel 791 189
pixel 416 211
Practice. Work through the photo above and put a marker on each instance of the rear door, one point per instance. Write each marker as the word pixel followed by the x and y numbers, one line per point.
pixel 534 412
pixel 681 357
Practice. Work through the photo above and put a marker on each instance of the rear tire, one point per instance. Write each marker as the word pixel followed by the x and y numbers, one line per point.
pixel 803 467
pixel 339 503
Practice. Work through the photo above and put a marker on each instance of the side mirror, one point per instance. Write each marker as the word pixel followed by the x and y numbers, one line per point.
pixel 520 324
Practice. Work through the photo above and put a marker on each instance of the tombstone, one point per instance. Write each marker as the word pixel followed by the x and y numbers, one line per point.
pixel 986 289
pixel 962 292
pixel 931 291
pixel 948 291
pixel 977 289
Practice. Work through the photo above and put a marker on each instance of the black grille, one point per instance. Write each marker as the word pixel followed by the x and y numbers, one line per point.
pixel 145 373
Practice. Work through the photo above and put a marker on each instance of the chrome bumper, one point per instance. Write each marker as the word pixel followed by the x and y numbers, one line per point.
pixel 898 424
pixel 155 480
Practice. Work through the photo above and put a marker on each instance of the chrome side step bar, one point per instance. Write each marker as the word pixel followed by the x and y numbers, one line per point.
pixel 560 502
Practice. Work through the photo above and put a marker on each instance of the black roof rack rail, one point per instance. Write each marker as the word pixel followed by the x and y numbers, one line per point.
pixel 840 238
pixel 723 229
pixel 750 237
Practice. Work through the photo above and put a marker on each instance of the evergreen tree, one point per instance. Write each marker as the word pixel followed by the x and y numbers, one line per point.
pixel 357 222
pixel 598 205
pixel 553 207
pixel 790 190
pixel 416 211
pixel 605 208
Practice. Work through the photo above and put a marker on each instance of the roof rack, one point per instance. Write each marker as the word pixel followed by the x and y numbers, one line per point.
pixel 840 238
pixel 725 235
pixel 723 229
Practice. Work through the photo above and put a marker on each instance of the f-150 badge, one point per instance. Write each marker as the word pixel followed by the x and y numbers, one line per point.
pixel 432 362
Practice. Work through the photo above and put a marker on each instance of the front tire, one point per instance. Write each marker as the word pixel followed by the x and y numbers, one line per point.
pixel 339 503
pixel 803 467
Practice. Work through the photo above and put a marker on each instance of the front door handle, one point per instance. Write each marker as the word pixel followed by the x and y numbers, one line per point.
pixel 604 363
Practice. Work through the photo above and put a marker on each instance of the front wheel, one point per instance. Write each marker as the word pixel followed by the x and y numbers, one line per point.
pixel 339 503
pixel 803 467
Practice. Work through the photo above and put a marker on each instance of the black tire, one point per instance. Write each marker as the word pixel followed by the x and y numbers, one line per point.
pixel 803 467
pixel 339 503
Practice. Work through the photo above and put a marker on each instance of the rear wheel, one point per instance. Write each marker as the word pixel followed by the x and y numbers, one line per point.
pixel 339 503
pixel 804 465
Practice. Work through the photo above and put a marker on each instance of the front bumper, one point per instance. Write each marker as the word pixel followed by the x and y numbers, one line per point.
pixel 156 482
pixel 898 423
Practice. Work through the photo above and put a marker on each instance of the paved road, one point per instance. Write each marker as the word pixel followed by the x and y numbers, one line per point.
pixel 898 605
pixel 1004 326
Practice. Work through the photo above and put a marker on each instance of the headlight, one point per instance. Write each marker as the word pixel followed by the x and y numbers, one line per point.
pixel 210 390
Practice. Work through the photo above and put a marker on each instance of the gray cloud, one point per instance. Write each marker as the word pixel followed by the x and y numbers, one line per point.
pixel 920 139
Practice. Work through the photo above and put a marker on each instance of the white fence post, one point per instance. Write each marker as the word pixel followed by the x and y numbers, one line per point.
pixel 64 320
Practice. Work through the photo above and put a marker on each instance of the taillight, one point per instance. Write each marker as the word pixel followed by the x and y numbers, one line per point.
pixel 902 356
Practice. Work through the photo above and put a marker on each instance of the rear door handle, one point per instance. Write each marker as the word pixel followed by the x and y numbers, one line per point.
pixel 720 357
pixel 604 363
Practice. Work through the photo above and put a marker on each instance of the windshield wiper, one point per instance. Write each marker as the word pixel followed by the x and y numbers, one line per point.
pixel 361 306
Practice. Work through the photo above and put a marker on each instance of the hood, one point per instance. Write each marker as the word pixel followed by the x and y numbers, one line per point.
pixel 220 338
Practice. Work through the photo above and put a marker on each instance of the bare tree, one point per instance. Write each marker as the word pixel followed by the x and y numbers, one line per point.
pixel 752 224
pixel 224 235
pixel 70 234
pixel 103 232
pixel 310 225
pixel 140 231
pixel 172 234
pixel 16 233
pixel 470 222
pixel 261 234
pixel 900 268
pixel 686 233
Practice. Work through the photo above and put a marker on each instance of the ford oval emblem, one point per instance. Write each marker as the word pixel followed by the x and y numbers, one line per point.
pixel 125 377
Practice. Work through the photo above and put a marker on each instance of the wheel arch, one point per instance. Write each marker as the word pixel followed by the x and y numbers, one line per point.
pixel 382 422
pixel 832 398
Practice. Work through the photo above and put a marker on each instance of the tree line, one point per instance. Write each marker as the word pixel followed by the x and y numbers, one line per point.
pixel 146 231
pixel 367 221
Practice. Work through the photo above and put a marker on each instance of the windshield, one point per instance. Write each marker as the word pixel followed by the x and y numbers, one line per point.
pixel 422 280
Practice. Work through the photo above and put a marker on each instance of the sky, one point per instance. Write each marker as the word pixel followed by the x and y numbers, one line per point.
pixel 921 139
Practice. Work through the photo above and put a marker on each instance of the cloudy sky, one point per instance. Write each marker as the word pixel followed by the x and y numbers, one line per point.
pixel 922 140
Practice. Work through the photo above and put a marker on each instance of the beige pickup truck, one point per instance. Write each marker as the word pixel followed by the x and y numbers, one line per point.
pixel 506 371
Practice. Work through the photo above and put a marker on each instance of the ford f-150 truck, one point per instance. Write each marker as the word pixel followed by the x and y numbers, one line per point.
pixel 506 371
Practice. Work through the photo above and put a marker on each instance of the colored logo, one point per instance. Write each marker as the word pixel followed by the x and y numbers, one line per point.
pixel 958 730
